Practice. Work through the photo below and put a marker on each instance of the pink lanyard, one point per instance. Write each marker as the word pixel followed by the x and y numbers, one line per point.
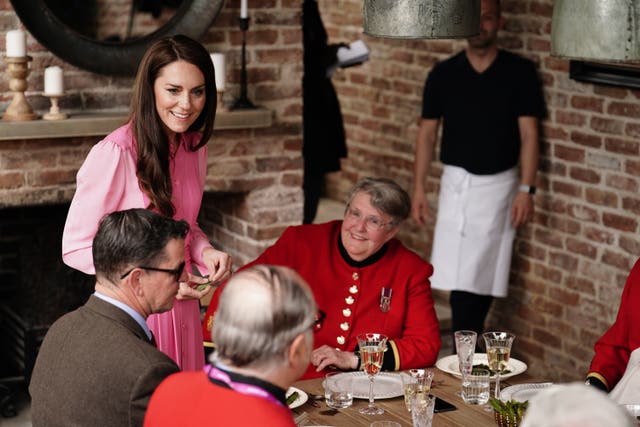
pixel 252 390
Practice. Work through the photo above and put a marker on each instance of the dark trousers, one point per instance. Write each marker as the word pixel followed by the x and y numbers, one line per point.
pixel 468 312
pixel 312 186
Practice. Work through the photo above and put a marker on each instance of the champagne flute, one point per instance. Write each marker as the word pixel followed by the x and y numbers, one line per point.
pixel 372 347
pixel 498 352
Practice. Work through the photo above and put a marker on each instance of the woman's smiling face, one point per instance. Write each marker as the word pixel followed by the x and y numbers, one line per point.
pixel 180 96
pixel 365 229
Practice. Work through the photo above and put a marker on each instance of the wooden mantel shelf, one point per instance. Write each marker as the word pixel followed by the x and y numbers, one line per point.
pixel 101 124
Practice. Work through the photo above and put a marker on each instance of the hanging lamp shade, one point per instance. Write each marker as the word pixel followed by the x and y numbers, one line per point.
pixel 421 19
pixel 596 30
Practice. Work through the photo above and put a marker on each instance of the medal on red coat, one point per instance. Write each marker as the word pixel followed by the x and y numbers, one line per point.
pixel 385 299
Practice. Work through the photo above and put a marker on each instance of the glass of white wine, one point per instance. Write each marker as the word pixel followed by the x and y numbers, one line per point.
pixel 416 381
pixel 372 347
pixel 498 346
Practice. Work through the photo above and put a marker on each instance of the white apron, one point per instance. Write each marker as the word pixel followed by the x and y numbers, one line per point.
pixel 473 238
pixel 627 391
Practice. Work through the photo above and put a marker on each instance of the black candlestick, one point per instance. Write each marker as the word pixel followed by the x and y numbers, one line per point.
pixel 243 103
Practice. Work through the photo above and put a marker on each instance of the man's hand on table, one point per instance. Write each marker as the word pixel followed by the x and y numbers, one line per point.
pixel 325 356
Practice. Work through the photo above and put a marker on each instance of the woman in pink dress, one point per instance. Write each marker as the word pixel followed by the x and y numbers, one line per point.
pixel 158 161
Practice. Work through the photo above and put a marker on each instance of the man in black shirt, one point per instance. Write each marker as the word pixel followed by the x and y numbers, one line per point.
pixel 490 103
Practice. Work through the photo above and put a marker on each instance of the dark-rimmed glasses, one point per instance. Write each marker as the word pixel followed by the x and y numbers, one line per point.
pixel 176 272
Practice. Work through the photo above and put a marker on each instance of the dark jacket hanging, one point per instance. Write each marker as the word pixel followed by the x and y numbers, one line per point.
pixel 324 140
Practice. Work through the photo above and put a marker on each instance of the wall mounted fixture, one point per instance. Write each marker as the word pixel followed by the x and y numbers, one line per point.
pixel 596 30
pixel 421 19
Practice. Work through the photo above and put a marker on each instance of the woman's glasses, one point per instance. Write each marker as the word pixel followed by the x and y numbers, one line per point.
pixel 370 222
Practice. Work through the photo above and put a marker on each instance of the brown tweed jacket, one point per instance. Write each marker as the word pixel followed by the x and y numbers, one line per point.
pixel 96 367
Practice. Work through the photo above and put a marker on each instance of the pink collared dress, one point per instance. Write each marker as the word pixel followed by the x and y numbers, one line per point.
pixel 106 183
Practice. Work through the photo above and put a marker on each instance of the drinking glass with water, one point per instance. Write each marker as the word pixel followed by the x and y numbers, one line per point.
pixel 475 387
pixel 465 348
pixel 338 390
pixel 422 406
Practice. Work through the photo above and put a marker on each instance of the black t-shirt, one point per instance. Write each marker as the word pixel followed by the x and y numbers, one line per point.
pixel 480 111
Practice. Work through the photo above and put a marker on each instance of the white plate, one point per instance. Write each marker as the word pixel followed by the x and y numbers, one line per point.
pixel 449 364
pixel 522 392
pixel 302 397
pixel 385 385
pixel 634 410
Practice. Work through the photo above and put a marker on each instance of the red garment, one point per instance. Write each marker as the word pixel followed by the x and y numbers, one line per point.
pixel 189 399
pixel 350 296
pixel 614 347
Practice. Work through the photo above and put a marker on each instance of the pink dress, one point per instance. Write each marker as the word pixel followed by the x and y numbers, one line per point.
pixel 106 183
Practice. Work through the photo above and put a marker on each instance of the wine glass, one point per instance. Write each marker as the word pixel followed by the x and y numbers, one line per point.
pixel 372 347
pixel 498 352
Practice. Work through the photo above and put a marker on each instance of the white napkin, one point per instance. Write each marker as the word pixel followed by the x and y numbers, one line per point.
pixel 627 391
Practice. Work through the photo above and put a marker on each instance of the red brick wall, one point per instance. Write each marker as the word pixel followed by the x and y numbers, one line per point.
pixel 254 175
pixel 570 264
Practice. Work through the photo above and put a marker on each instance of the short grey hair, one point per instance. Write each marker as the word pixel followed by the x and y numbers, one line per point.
pixel 261 311
pixel 572 405
pixel 386 195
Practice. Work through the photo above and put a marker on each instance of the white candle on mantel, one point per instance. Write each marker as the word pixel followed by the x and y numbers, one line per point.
pixel 16 44
pixel 243 9
pixel 219 65
pixel 53 81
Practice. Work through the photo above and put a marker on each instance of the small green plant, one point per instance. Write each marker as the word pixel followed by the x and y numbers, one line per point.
pixel 485 366
pixel 510 409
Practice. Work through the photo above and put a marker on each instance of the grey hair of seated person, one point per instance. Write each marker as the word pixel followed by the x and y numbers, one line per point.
pixel 575 405
pixel 386 195
pixel 261 311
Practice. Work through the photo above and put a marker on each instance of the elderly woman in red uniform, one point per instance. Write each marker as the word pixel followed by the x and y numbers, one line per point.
pixel 615 367
pixel 363 280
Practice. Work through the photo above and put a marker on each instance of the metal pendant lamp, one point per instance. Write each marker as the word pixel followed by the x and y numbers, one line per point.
pixel 421 19
pixel 596 30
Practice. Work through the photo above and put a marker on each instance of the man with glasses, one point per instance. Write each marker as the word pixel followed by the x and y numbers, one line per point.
pixel 363 279
pixel 263 334
pixel 98 365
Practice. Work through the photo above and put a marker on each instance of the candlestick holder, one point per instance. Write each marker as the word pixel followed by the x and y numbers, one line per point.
pixel 54 112
pixel 19 108
pixel 243 102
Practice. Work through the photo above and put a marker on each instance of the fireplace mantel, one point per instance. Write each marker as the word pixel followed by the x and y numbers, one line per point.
pixel 100 124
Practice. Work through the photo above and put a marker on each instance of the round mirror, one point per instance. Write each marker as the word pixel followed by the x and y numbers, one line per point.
pixel 119 50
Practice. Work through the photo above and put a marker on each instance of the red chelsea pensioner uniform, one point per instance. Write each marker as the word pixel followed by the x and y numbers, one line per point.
pixel 189 399
pixel 349 293
pixel 623 337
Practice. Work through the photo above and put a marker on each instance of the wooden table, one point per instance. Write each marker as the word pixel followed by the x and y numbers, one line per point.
pixel 444 386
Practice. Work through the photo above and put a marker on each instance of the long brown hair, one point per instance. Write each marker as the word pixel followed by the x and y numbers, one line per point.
pixel 151 140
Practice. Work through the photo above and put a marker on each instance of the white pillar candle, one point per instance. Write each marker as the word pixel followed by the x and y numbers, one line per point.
pixel 243 9
pixel 16 44
pixel 219 65
pixel 53 81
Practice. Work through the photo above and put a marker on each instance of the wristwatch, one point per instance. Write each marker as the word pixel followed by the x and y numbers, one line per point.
pixel 530 189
